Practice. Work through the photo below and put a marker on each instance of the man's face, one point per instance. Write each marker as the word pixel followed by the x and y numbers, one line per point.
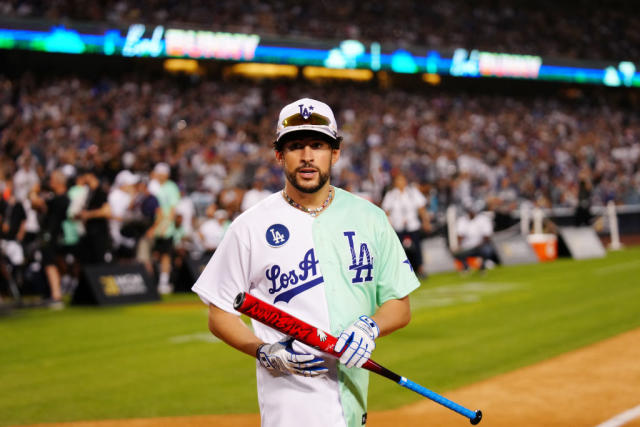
pixel 307 162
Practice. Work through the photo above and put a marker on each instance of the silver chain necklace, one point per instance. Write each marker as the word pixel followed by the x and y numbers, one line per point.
pixel 314 211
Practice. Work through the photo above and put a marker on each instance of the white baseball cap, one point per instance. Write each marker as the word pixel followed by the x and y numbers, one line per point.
pixel 162 169
pixel 126 177
pixel 307 114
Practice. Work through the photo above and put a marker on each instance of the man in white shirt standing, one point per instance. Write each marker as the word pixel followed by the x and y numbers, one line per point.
pixel 405 207
pixel 120 200
pixel 474 232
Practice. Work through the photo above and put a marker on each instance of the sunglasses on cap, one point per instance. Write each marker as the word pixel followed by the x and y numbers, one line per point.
pixel 312 119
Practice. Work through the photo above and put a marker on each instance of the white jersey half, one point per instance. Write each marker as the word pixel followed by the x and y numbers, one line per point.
pixel 274 243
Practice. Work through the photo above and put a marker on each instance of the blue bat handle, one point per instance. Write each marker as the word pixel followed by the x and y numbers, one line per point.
pixel 474 417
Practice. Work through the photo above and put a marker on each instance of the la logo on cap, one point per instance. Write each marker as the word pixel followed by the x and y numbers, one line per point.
pixel 305 112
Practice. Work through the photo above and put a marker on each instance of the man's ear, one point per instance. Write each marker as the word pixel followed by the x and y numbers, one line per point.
pixel 335 155
pixel 279 156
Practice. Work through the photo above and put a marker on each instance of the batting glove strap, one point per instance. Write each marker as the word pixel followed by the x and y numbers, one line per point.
pixel 281 358
pixel 357 342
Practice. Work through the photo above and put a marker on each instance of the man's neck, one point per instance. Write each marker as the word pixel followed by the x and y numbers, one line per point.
pixel 308 200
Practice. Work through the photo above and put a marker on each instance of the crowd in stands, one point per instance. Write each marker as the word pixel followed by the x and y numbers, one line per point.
pixel 156 169
pixel 583 29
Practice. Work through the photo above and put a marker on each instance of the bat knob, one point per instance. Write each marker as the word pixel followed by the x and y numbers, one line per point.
pixel 237 303
pixel 477 418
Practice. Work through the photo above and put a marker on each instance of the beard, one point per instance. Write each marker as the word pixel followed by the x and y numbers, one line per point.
pixel 322 179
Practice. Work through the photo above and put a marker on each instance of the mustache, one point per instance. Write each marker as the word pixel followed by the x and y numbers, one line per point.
pixel 307 166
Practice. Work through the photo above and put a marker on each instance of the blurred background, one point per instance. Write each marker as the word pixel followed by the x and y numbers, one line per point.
pixel 134 132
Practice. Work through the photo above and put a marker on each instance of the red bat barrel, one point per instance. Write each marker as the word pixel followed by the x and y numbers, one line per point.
pixel 281 321
pixel 287 324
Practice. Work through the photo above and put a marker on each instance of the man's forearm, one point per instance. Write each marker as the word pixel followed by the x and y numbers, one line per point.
pixel 393 315
pixel 233 331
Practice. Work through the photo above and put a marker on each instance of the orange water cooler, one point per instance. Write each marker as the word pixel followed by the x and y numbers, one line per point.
pixel 544 245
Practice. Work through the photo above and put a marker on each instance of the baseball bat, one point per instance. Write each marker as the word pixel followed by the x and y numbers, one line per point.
pixel 287 324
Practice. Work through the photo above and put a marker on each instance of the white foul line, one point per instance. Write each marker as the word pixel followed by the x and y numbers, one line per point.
pixel 623 418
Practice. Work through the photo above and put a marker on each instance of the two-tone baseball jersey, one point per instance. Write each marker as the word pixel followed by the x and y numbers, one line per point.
pixel 327 270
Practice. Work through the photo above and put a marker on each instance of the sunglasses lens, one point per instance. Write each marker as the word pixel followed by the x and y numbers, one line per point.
pixel 298 119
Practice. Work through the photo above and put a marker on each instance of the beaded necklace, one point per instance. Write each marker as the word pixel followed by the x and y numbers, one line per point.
pixel 313 212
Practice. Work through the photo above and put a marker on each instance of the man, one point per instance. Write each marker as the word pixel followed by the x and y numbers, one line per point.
pixel 212 229
pixel 146 207
pixel 322 254
pixel 121 200
pixel 474 232
pixel 54 208
pixel 164 227
pixel 96 243
pixel 26 177
pixel 405 206
pixel 582 215
pixel 12 231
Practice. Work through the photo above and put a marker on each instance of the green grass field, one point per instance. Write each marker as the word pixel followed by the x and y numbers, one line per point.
pixel 85 363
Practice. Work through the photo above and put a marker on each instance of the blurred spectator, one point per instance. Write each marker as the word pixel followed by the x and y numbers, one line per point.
pixel 405 207
pixel 25 177
pixel 474 230
pixel 72 227
pixel 164 228
pixel 96 242
pixel 146 207
pixel 212 229
pixel 12 232
pixel 186 212
pixel 582 216
pixel 54 207
pixel 121 200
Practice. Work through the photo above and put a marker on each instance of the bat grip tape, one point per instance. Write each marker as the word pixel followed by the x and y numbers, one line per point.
pixel 473 416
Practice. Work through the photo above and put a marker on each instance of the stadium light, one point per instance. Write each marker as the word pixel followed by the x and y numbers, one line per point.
pixel 332 73
pixel 256 70
pixel 189 66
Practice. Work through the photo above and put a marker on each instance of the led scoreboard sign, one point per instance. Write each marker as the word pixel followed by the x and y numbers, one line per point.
pixel 139 40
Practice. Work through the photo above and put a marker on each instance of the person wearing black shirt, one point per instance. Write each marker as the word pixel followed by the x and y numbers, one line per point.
pixel 96 243
pixel 147 206
pixel 12 231
pixel 13 219
pixel 54 208
pixel 582 215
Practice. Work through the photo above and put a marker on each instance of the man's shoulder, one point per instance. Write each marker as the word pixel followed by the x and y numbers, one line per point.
pixel 353 202
pixel 260 209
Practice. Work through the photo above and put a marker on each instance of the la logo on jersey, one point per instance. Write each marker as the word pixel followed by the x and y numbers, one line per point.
pixel 277 235
pixel 361 262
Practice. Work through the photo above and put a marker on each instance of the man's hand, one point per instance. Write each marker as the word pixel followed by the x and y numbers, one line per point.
pixel 358 341
pixel 281 357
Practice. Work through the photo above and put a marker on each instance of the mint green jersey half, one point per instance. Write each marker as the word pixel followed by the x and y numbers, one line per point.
pixel 364 265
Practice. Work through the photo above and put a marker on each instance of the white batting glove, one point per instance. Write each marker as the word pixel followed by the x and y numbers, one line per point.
pixel 357 341
pixel 280 357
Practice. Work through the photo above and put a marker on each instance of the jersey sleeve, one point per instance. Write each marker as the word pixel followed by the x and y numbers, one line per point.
pixel 226 273
pixel 396 278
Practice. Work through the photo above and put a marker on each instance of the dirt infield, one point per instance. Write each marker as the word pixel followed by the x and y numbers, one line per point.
pixel 583 388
